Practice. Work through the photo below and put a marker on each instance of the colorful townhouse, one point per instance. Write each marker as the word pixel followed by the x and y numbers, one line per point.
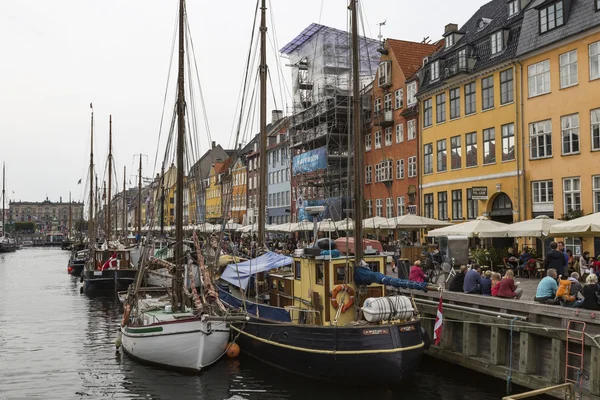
pixel 559 57
pixel 214 194
pixel 391 145
pixel 239 193
pixel 278 171
pixel 469 115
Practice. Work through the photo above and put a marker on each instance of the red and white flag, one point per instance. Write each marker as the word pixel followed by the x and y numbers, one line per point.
pixel 437 329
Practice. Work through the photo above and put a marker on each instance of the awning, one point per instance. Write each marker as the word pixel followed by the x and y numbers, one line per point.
pixel 239 274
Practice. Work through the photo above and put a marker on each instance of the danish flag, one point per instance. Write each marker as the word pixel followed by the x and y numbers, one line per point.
pixel 437 329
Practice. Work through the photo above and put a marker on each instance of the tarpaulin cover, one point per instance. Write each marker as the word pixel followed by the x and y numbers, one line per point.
pixel 239 274
pixel 364 276
pixel 257 310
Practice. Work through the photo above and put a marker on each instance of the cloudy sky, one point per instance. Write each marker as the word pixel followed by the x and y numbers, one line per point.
pixel 58 56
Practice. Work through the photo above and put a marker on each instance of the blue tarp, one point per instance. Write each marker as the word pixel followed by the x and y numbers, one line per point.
pixel 239 274
pixel 364 276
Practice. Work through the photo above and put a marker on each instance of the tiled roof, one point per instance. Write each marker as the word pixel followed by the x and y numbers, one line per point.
pixel 410 54
pixel 221 168
pixel 579 18
pixel 478 41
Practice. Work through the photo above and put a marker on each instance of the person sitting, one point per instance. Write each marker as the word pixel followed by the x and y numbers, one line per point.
pixel 496 278
pixel 507 287
pixel 511 259
pixel 591 293
pixel 457 283
pixel 586 265
pixel 416 273
pixel 555 260
pixel 486 283
pixel 524 258
pixel 570 291
pixel 546 290
pixel 472 283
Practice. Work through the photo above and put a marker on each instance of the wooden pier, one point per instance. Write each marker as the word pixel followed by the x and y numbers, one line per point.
pixel 517 340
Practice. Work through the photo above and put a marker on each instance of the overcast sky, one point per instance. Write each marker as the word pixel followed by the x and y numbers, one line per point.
pixel 58 56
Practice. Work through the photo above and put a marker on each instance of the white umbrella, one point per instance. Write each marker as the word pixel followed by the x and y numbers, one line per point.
pixel 379 223
pixel 305 226
pixel 481 227
pixel 411 221
pixel 286 227
pixel 327 225
pixel 537 227
pixel 345 225
pixel 584 226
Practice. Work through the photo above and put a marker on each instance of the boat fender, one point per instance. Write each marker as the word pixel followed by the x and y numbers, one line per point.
pixel 126 315
pixel 81 279
pixel 342 288
pixel 426 339
pixel 118 339
pixel 81 290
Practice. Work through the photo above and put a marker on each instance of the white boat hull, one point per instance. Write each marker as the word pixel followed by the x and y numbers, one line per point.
pixel 189 344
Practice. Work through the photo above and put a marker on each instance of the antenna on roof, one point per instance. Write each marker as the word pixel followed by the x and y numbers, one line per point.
pixel 380 36
pixel 426 40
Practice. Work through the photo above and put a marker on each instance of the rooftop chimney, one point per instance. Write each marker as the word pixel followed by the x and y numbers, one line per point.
pixel 276 115
pixel 214 144
pixel 450 28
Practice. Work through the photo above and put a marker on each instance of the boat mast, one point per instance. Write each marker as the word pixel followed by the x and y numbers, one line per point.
pixel 139 214
pixel 91 218
pixel 358 151
pixel 124 202
pixel 109 178
pixel 262 181
pixel 70 216
pixel 106 221
pixel 3 194
pixel 177 292
pixel 162 199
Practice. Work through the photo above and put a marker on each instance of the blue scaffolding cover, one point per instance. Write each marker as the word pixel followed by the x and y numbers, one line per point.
pixel 239 274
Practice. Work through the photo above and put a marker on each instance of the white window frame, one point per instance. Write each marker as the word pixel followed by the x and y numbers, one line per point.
pixel 569 133
pixel 514 7
pixel 368 142
pixel 368 174
pixel 400 209
pixel 412 129
pixel 378 139
pixel 389 207
pixel 377 107
pixel 400 132
pixel 538 78
pixel 497 42
pixel 462 59
pixel 411 93
pixel 569 192
pixel 542 196
pixel 557 20
pixel 379 207
pixel 388 136
pixel 370 208
pixel 568 69
pixel 435 70
pixel 594 56
pixel 399 98
pixel 595 128
pixel 387 102
pixel 384 73
pixel 412 166
pixel 400 168
pixel 449 40
pixel 596 192
pixel 545 134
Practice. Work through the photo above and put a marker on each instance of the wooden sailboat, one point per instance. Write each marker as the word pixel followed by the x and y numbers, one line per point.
pixel 7 245
pixel 165 331
pixel 329 318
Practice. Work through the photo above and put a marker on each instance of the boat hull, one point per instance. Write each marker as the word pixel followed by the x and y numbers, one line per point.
pixel 189 345
pixel 108 280
pixel 366 355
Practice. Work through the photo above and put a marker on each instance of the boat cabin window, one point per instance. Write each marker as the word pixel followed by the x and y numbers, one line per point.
pixel 374 266
pixel 274 284
pixel 320 273
pixel 340 274
pixel 281 286
pixel 297 269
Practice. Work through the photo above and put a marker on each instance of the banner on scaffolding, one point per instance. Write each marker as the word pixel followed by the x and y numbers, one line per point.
pixel 310 161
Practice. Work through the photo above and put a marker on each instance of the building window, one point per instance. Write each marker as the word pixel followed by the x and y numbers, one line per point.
pixel 506 86
pixel 378 139
pixel 368 174
pixel 489 146
pixel 427 112
pixel 400 168
pixel 497 42
pixel 542 196
pixel 596 192
pixel 400 205
pixel 379 207
pixel 399 98
pixel 471 141
pixel 462 60
pixel 427 159
pixel 428 205
pixel 568 69
pixel 384 73
pixel 443 205
pixel 457 205
pixel 472 211
pixel 569 129
pixel 597 5
pixel 449 40
pixel 470 104
pixel 508 142
pixel 594 50
pixel 377 108
pixel 411 93
pixel 412 166
pixel 400 133
pixel 540 139
pixel 455 153
pixel 389 207
pixel 538 76
pixel 487 92
pixel 387 102
pixel 388 136
pixel 551 17
pixel 442 159
pixel 367 142
pixel 454 103
pixel 435 71
pixel 412 129
pixel 440 107
pixel 386 170
pixel 370 208
pixel 595 128
pixel 377 172
pixel 572 193
pixel 513 7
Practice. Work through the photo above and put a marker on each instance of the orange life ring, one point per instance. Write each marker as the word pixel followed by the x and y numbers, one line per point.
pixel 126 315
pixel 338 289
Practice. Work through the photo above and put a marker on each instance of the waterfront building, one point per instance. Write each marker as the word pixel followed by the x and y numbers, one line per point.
pixel 469 114
pixel 45 213
pixel 559 54
pixel 278 171
pixel 253 161
pixel 391 143
pixel 164 200
pixel 239 194
pixel 214 192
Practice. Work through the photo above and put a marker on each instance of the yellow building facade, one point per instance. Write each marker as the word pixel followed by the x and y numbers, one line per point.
pixel 239 192
pixel 213 194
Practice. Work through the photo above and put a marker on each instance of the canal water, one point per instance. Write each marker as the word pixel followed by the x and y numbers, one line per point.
pixel 58 344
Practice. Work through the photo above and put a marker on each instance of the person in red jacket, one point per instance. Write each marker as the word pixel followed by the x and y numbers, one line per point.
pixel 496 278
pixel 416 273
pixel 507 287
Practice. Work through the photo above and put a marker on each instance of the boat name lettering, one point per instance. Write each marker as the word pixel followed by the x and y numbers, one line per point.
pixel 375 331
pixel 408 328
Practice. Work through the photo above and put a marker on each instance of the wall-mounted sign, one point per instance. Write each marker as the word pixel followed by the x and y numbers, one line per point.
pixel 479 193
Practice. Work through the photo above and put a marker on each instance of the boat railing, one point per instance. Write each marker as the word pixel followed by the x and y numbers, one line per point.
pixel 296 312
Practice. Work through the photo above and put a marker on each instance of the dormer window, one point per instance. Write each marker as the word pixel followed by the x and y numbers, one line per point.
pixel 551 17
pixel 514 7
pixel 497 42
pixel 483 23
pixel 450 40
pixel 462 59
pixel 384 74
pixel 435 71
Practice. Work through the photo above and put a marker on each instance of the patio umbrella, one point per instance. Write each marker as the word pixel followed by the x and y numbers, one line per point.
pixel 305 226
pixel 327 225
pixel 411 221
pixel 480 227
pixel 232 226
pixel 537 227
pixel 379 223
pixel 345 225
pixel 584 226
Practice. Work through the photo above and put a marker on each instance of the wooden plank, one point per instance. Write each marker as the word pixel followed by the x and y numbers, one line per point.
pixel 469 339
pixel 595 371
pixel 527 354
pixel 558 361
pixel 498 343
pixel 447 335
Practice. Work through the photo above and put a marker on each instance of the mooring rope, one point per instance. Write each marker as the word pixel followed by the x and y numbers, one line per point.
pixel 509 377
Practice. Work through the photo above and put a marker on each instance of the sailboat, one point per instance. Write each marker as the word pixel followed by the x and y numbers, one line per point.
pixel 7 245
pixel 328 318
pixel 167 332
